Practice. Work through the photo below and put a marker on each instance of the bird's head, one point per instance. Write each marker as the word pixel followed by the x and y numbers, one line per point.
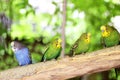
pixel 105 32
pixel 13 46
pixel 16 46
pixel 87 37
pixel 57 43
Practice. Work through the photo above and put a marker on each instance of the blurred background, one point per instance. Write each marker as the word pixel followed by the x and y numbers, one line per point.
pixel 36 22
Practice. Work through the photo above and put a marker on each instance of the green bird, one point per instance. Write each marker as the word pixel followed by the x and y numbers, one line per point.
pixel 81 45
pixel 53 51
pixel 110 36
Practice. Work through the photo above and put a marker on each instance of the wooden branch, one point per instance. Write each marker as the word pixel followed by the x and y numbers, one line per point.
pixel 68 67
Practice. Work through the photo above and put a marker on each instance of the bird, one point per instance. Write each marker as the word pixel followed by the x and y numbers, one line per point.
pixel 21 53
pixel 53 51
pixel 110 36
pixel 81 45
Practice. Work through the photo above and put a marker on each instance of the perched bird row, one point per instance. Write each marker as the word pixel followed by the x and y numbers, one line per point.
pixel 22 53
pixel 110 37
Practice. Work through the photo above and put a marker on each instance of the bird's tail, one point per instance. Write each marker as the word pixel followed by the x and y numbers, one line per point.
pixel 71 53
pixel 30 62
pixel 42 60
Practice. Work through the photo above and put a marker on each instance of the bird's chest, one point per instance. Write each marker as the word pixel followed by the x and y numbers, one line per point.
pixel 111 40
pixel 82 47
pixel 20 55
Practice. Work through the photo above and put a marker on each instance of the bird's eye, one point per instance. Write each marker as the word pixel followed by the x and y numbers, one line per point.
pixel 56 44
pixel 86 37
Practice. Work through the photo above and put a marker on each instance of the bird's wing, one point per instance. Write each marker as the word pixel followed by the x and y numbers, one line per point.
pixel 58 53
pixel 44 54
pixel 76 44
pixel 23 56
pixel 46 50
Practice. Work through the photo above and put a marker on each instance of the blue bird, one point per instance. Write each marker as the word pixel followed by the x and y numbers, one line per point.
pixel 21 53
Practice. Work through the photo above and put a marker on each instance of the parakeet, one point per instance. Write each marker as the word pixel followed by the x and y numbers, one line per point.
pixel 81 45
pixel 110 36
pixel 21 53
pixel 53 51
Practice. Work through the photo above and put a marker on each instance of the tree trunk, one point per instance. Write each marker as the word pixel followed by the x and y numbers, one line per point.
pixel 63 28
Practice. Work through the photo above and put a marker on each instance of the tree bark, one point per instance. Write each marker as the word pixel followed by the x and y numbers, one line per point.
pixel 69 67
pixel 63 28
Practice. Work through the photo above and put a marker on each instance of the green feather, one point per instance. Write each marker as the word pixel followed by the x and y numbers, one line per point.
pixel 52 52
pixel 113 38
pixel 81 45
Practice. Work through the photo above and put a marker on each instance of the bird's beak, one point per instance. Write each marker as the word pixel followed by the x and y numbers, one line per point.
pixel 12 46
pixel 103 30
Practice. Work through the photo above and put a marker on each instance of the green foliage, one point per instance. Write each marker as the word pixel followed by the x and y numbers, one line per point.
pixel 112 74
pixel 12 10
pixel 36 57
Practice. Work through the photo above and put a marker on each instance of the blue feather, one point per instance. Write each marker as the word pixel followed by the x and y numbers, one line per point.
pixel 23 56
